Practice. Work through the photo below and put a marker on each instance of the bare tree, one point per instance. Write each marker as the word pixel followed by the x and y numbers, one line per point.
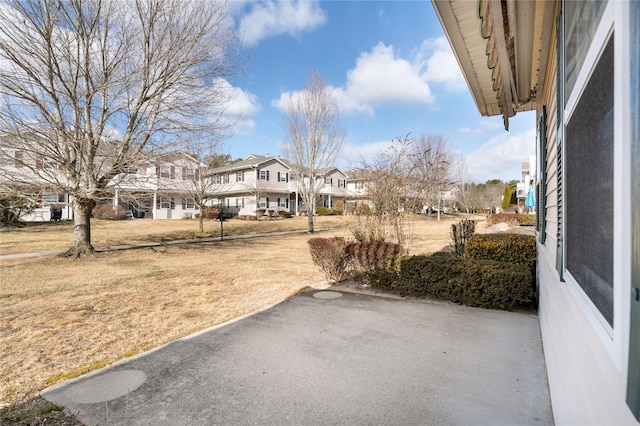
pixel 90 87
pixel 313 137
pixel 431 169
pixel 388 188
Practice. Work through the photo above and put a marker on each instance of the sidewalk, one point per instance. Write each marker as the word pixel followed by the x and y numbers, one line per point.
pixel 160 244
pixel 328 357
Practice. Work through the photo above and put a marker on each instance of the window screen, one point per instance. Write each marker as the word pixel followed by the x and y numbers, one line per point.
pixel 589 187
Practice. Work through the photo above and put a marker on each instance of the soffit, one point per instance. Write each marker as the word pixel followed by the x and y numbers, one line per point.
pixel 500 60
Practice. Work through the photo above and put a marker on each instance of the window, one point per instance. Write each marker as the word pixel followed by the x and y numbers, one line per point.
pixel 587 175
pixel 190 174
pixel 239 203
pixel 328 180
pixel 190 203
pixel 582 19
pixel 264 174
pixel 283 203
pixel 240 176
pixel 283 177
pixel 342 183
pixel 216 179
pixel 50 198
pixel 165 202
pixel 359 185
pixel 165 172
pixel 225 178
pixel 264 202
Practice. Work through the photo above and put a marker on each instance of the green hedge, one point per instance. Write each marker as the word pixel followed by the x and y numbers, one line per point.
pixel 510 248
pixel 323 211
pixel 474 282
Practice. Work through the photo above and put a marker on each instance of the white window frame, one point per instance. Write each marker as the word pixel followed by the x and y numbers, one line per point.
pixel 342 183
pixel 225 178
pixel 283 176
pixel 165 202
pixel 263 174
pixel 165 172
pixel 190 203
pixel 262 203
pixel 283 202
pixel 191 174
pixel 614 339
pixel 239 202
pixel 240 176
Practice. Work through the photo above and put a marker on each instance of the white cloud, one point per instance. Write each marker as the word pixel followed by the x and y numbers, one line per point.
pixel 501 157
pixel 379 78
pixel 354 155
pixel 439 65
pixel 270 18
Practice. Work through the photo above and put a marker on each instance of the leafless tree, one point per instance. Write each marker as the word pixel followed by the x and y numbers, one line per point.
pixel 388 188
pixel 431 169
pixel 313 137
pixel 89 87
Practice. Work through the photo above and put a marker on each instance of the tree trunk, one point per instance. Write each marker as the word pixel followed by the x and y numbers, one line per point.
pixel 310 220
pixel 81 228
pixel 201 221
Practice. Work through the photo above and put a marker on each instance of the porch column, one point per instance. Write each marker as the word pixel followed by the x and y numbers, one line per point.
pixel 115 199
pixel 155 203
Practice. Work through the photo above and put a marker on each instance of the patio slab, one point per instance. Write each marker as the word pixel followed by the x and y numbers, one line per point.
pixel 331 358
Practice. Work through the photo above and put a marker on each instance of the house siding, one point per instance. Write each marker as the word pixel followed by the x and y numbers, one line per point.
pixel 586 377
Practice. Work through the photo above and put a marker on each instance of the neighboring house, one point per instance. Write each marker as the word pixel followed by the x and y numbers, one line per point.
pixel 334 187
pixel 576 64
pixel 158 187
pixel 528 177
pixel 257 185
pixel 265 185
pixel 163 187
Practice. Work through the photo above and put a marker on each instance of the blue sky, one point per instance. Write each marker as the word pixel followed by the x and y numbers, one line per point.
pixel 392 73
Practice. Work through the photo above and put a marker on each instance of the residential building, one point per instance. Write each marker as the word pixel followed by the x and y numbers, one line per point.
pixel 526 182
pixel 265 185
pixel 158 187
pixel 576 64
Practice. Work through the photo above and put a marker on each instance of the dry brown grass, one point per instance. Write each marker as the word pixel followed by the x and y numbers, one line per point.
pixel 61 317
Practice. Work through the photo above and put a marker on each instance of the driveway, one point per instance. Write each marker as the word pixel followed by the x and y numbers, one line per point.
pixel 328 358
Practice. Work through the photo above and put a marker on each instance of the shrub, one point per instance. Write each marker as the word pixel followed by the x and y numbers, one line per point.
pixel 370 256
pixel 527 220
pixel 210 213
pixel 284 214
pixel 339 206
pixel 474 282
pixel 109 212
pixel 246 217
pixel 12 206
pixel 460 234
pixel 323 211
pixel 510 248
pixel 331 256
pixel 511 219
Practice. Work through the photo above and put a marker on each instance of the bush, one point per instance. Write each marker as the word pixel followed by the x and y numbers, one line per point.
pixel 209 213
pixel 323 211
pixel 474 282
pixel 331 256
pixel 284 214
pixel 511 219
pixel 371 256
pixel 12 206
pixel 109 212
pixel 510 248
pixel 460 234
pixel 527 220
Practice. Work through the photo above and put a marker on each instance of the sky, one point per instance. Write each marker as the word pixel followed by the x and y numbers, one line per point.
pixel 391 71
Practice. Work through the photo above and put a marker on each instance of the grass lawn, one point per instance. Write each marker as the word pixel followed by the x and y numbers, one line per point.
pixel 62 317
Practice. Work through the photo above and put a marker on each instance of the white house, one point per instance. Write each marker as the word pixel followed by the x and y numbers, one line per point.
pixel 577 64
